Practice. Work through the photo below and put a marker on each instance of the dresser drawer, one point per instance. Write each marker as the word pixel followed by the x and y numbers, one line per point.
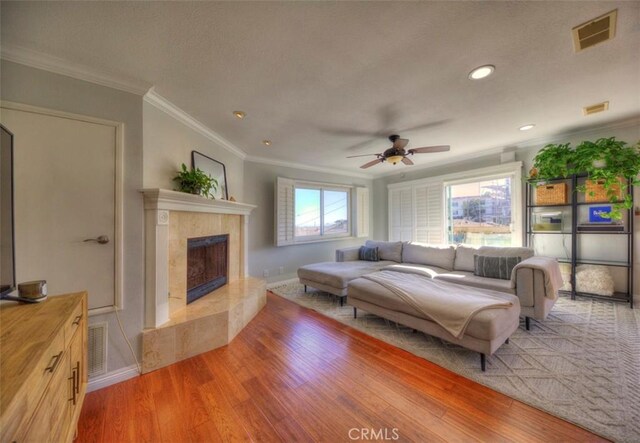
pixel 73 323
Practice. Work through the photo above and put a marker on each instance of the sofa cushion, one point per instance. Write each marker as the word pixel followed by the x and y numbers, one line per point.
pixel 339 274
pixel 387 250
pixel 433 255
pixel 505 251
pixel 411 268
pixel 368 254
pixel 467 278
pixel 464 258
pixel 495 267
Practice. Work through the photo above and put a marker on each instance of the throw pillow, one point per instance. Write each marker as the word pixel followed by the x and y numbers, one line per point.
pixel 368 254
pixel 495 267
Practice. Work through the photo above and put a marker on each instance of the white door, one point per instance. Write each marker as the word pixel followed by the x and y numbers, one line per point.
pixel 65 194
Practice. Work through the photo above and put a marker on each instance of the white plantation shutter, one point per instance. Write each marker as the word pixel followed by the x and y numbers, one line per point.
pixel 401 214
pixel 416 213
pixel 285 212
pixel 362 212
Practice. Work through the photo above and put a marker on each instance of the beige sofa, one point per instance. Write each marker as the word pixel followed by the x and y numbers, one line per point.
pixel 450 263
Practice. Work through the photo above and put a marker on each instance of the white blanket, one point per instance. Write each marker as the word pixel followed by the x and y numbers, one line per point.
pixel 449 305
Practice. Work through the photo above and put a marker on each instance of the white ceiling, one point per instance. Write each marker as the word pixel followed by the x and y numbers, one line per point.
pixel 324 80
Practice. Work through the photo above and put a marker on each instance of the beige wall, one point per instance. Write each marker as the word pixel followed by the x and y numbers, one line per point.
pixel 168 143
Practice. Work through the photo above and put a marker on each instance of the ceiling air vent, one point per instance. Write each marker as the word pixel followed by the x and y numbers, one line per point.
pixel 595 31
pixel 594 109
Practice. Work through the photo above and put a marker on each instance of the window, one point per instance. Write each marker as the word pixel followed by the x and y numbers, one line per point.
pixel 321 212
pixel 310 212
pixel 478 207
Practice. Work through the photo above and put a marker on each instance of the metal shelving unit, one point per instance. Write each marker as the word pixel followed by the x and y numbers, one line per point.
pixel 573 257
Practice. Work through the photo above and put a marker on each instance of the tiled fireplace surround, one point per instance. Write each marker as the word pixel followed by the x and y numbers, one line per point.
pixel 174 330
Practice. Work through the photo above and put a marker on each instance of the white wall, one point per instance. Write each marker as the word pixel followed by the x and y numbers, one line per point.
pixel 259 186
pixel 35 87
pixel 168 143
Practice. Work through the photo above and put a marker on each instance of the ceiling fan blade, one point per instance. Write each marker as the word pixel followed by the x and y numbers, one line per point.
pixel 362 155
pixel 407 161
pixel 371 163
pixel 428 149
pixel 400 143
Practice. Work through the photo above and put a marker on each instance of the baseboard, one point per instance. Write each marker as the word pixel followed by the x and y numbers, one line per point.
pixel 113 377
pixel 273 284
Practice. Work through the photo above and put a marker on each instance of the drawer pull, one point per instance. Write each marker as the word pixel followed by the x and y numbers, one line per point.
pixel 54 362
pixel 77 320
pixel 76 374
pixel 73 389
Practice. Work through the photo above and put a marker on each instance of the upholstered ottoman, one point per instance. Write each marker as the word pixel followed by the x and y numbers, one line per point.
pixel 333 277
pixel 485 333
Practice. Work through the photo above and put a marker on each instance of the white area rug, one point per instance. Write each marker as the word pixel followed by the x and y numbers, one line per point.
pixel 582 364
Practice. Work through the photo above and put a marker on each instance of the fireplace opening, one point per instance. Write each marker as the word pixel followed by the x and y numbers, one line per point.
pixel 206 265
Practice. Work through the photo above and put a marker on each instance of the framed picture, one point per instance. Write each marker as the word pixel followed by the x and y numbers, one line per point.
pixel 215 169
pixel 595 214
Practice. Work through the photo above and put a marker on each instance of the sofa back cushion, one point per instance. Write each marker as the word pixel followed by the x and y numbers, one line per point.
pixel 441 256
pixel 505 251
pixel 387 250
pixel 464 258
pixel 495 267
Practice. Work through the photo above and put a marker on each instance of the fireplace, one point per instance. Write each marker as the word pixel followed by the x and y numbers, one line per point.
pixel 207 267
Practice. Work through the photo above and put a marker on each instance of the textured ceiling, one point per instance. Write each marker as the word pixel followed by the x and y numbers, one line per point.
pixel 324 80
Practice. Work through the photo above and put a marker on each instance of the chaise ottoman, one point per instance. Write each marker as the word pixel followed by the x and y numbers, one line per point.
pixel 486 331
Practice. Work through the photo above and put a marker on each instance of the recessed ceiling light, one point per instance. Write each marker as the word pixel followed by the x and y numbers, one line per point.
pixel 482 72
pixel 266 142
pixel 239 114
pixel 526 127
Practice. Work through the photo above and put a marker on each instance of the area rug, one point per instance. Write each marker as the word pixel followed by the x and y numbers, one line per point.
pixel 581 364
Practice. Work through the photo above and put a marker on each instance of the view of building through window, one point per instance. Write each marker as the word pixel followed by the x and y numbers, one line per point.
pixel 321 212
pixel 479 213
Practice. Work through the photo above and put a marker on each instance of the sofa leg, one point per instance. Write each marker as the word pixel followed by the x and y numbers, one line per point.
pixel 415 330
pixel 341 301
pixel 355 312
pixel 483 362
pixel 527 323
pixel 506 342
pixel 305 288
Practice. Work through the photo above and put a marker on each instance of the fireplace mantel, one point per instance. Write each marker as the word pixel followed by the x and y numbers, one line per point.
pixel 164 199
pixel 158 206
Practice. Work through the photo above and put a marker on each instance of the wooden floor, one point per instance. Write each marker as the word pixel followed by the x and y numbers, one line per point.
pixel 294 375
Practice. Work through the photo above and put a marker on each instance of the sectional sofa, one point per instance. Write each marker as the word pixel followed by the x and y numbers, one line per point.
pixel 529 281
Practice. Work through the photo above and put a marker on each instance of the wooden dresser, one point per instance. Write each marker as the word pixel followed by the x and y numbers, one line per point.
pixel 43 369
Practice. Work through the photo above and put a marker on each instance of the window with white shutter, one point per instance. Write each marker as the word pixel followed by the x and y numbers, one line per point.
pixel 284 211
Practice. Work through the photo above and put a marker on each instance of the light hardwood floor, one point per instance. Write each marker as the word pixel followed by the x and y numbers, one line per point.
pixel 294 375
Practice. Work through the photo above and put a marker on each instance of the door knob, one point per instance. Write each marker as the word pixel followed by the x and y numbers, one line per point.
pixel 103 239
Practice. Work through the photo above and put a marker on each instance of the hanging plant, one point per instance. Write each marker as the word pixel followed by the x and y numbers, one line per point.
pixel 195 181
pixel 552 161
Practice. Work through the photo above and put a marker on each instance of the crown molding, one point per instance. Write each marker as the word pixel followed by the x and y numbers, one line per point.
pixel 46 62
pixel 287 164
pixel 161 103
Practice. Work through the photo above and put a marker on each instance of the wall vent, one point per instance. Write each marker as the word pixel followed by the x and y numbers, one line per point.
pixel 97 349
pixel 594 109
pixel 595 31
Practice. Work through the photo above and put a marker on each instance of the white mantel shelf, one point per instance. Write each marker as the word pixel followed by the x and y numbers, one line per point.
pixel 164 199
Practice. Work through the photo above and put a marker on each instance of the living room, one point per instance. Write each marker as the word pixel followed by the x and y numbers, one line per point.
pixel 310 92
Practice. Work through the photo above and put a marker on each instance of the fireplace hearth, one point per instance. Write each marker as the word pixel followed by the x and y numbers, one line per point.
pixel 207 265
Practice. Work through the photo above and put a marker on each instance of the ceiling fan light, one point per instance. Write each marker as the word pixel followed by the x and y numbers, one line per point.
pixel 481 72
pixel 395 159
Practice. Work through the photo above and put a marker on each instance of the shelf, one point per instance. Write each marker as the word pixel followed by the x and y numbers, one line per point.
pixel 617 296
pixel 618 264
pixel 601 203
pixel 568 205
pixel 548 232
pixel 602 232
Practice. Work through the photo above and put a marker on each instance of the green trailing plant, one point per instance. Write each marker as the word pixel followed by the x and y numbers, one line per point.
pixel 552 161
pixel 606 160
pixel 195 181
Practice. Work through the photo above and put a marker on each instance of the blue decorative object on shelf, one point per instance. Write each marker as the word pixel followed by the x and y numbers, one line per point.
pixel 595 214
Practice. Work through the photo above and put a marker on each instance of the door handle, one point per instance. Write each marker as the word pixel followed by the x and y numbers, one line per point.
pixel 103 239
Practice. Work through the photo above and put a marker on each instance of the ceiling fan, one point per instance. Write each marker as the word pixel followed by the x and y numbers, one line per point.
pixel 397 153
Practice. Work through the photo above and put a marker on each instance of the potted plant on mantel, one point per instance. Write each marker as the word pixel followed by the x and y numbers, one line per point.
pixel 195 181
pixel 607 160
